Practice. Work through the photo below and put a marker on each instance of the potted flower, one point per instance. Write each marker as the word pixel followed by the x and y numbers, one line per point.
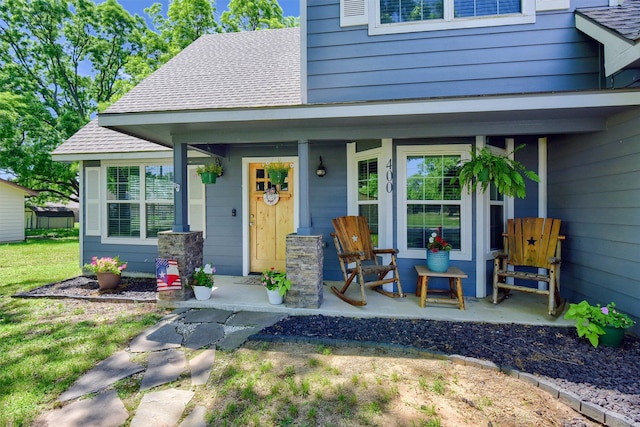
pixel 600 325
pixel 485 167
pixel 277 172
pixel 438 251
pixel 108 270
pixel 209 172
pixel 276 283
pixel 202 281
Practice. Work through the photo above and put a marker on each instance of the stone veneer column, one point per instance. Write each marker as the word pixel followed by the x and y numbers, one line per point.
pixel 305 259
pixel 186 248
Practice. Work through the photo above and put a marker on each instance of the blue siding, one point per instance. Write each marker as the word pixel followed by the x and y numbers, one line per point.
pixel 346 64
pixel 594 187
pixel 139 258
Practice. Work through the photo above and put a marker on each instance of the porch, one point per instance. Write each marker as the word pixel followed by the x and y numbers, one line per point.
pixel 237 293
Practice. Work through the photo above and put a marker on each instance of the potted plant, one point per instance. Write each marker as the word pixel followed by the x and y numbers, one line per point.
pixel 210 172
pixel 276 283
pixel 600 325
pixel 485 167
pixel 438 251
pixel 202 281
pixel 108 270
pixel 277 172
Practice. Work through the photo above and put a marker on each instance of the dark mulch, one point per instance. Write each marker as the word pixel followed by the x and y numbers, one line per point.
pixel 82 287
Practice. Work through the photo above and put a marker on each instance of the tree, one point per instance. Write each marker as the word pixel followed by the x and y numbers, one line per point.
pixel 244 15
pixel 59 60
pixel 187 20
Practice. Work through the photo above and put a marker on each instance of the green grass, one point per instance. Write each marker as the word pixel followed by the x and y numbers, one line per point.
pixel 44 348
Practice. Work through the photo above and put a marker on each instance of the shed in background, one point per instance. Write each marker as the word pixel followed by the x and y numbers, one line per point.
pixel 12 210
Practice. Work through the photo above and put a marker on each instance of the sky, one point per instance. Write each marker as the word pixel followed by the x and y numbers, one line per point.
pixel 289 7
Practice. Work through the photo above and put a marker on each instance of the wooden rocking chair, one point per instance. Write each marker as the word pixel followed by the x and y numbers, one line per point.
pixel 352 238
pixel 530 242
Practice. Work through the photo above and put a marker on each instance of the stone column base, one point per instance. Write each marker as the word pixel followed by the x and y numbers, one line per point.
pixel 305 260
pixel 186 249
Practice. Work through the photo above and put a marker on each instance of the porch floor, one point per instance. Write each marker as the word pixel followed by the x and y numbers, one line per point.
pixel 237 293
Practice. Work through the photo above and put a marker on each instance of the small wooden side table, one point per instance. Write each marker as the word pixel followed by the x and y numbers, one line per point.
pixel 454 274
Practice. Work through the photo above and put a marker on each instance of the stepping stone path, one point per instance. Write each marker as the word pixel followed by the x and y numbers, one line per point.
pixel 164 343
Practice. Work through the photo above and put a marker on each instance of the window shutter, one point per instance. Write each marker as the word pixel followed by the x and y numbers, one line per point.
pixel 92 217
pixel 197 202
pixel 353 12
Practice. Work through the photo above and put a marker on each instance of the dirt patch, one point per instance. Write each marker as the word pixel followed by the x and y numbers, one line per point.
pixel 304 384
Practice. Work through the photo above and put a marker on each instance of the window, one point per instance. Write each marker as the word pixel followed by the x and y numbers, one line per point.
pixel 429 201
pixel 399 16
pixel 139 200
pixel 368 195
pixel 496 218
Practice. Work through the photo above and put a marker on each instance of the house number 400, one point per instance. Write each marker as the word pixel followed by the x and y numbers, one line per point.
pixel 389 177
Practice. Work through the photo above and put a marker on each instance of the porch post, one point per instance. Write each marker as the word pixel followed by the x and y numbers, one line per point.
pixel 180 194
pixel 304 226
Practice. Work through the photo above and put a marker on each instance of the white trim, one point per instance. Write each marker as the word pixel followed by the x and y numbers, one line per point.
pixel 385 197
pixel 537 102
pixel 352 180
pixel 194 182
pixel 81 183
pixel 542 191
pixel 466 207
pixel 245 201
pixel 130 155
pixel 528 16
pixel 619 52
pixel 482 230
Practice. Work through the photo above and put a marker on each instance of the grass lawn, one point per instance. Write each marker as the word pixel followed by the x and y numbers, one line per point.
pixel 46 344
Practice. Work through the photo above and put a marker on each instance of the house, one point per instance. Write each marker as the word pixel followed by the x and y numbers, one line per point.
pixel 376 92
pixel 50 216
pixel 11 210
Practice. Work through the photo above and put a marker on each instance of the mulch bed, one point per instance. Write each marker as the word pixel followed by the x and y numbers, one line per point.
pixel 132 289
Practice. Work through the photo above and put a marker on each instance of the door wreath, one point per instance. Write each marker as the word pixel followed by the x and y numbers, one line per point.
pixel 271 196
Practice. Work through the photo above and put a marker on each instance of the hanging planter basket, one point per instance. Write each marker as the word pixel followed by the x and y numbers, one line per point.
pixel 208 178
pixel 278 177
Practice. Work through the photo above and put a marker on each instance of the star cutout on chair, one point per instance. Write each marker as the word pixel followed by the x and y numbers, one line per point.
pixel 532 241
pixel 354 238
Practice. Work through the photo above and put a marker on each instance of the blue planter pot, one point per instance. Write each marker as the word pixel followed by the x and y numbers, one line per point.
pixel 438 261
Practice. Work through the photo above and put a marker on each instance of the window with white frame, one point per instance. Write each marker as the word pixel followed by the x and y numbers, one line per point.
pixel 430 201
pixel 496 218
pixel 139 200
pixel 368 195
pixel 403 16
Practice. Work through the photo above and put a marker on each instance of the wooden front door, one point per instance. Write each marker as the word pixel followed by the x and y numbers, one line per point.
pixel 270 219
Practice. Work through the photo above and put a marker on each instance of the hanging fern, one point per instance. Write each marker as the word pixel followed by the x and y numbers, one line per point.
pixel 486 167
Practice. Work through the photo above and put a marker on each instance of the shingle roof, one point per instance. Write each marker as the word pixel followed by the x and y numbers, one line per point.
pixel 623 20
pixel 250 69
pixel 93 139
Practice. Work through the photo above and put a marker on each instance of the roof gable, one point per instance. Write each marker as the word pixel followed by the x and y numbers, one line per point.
pixel 230 70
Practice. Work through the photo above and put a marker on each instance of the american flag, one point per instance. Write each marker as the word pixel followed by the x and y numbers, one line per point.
pixel 167 275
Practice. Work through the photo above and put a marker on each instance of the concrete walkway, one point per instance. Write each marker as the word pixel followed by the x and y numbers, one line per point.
pixel 164 344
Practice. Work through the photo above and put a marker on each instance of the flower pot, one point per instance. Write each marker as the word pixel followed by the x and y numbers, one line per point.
pixel 274 297
pixel 612 337
pixel 278 177
pixel 108 280
pixel 438 262
pixel 202 292
pixel 208 178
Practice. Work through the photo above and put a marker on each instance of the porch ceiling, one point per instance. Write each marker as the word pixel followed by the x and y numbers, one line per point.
pixel 497 115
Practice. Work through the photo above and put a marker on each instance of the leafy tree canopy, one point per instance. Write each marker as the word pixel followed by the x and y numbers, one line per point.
pixel 63 60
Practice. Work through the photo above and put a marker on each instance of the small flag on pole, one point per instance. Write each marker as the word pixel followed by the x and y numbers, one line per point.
pixel 167 275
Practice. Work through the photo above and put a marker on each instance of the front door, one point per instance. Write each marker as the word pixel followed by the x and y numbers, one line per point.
pixel 271 218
